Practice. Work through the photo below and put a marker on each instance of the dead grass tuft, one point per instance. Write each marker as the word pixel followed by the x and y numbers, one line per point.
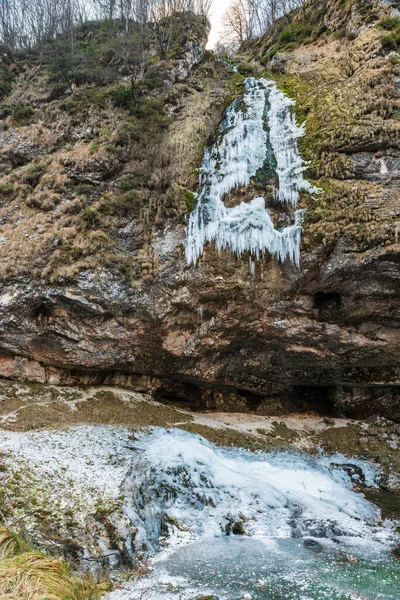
pixel 29 575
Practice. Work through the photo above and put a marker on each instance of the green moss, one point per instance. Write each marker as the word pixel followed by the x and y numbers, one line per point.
pixel 280 438
pixel 388 502
pixel 190 199
pixel 347 441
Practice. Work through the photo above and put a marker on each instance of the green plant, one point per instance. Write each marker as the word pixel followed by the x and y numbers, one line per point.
pixel 388 42
pixel 90 217
pixel 33 173
pixel 84 189
pixel 6 189
pixel 22 114
pixel 390 23
pixel 11 544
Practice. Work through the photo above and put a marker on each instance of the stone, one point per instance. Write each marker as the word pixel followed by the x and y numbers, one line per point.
pixel 392 445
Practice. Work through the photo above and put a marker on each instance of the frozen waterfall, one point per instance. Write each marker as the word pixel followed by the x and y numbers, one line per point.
pixel 232 524
pixel 258 127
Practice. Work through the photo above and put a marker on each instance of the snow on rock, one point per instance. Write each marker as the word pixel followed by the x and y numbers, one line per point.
pixel 258 126
pixel 207 509
pixel 72 469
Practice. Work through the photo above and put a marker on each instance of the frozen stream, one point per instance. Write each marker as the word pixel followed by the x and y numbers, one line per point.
pixel 230 524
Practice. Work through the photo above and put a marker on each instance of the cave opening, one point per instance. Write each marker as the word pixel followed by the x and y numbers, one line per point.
pixel 327 305
pixel 176 393
pixel 308 398
pixel 253 401
pixel 41 310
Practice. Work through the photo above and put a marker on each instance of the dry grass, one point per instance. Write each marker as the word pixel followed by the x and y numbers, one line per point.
pixel 50 230
pixel 29 575
pixel 25 407
pixel 344 91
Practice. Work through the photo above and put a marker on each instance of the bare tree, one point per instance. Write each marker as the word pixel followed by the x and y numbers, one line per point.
pixel 236 23
pixel 246 19
pixel 25 23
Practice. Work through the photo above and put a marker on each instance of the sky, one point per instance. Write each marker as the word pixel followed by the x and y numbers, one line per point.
pixel 218 11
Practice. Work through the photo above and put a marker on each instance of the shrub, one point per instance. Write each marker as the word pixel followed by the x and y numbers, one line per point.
pixel 58 90
pixel 32 174
pixel 122 97
pixel 127 184
pixel 84 189
pixel 6 189
pixel 388 42
pixel 390 23
pixel 287 36
pixel 22 114
pixel 91 218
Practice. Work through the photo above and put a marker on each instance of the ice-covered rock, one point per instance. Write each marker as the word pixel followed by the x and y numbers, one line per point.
pixel 259 127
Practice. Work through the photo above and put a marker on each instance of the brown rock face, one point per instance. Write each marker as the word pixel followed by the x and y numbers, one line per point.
pixel 219 338
pixel 129 311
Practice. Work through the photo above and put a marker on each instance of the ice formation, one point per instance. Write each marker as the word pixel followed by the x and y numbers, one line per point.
pixel 198 489
pixel 257 126
pixel 220 518
pixel 181 498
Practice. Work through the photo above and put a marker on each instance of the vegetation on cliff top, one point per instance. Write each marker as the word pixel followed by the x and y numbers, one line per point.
pixel 100 147
pixel 93 143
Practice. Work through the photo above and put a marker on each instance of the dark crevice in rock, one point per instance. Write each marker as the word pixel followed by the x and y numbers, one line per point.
pixel 254 401
pixel 170 391
pixel 41 310
pixel 327 305
pixel 319 399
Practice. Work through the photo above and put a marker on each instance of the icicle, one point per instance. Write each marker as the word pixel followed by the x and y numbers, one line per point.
pixel 237 154
pixel 252 266
pixel 283 134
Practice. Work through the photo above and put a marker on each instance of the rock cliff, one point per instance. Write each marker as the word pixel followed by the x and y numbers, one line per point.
pixel 95 196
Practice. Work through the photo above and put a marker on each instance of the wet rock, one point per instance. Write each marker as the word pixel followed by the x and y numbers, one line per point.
pixel 235 526
pixel 238 528
pixel 390 481
pixel 373 419
pixel 396 553
pixel 366 165
pixel 353 471
pixel 313 545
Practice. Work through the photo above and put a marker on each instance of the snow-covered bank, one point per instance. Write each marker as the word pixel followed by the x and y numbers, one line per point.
pixel 165 489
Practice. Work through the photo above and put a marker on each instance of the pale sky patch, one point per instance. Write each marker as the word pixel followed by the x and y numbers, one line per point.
pixel 218 11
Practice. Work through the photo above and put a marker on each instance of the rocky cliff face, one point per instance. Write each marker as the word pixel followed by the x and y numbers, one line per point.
pixel 94 204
